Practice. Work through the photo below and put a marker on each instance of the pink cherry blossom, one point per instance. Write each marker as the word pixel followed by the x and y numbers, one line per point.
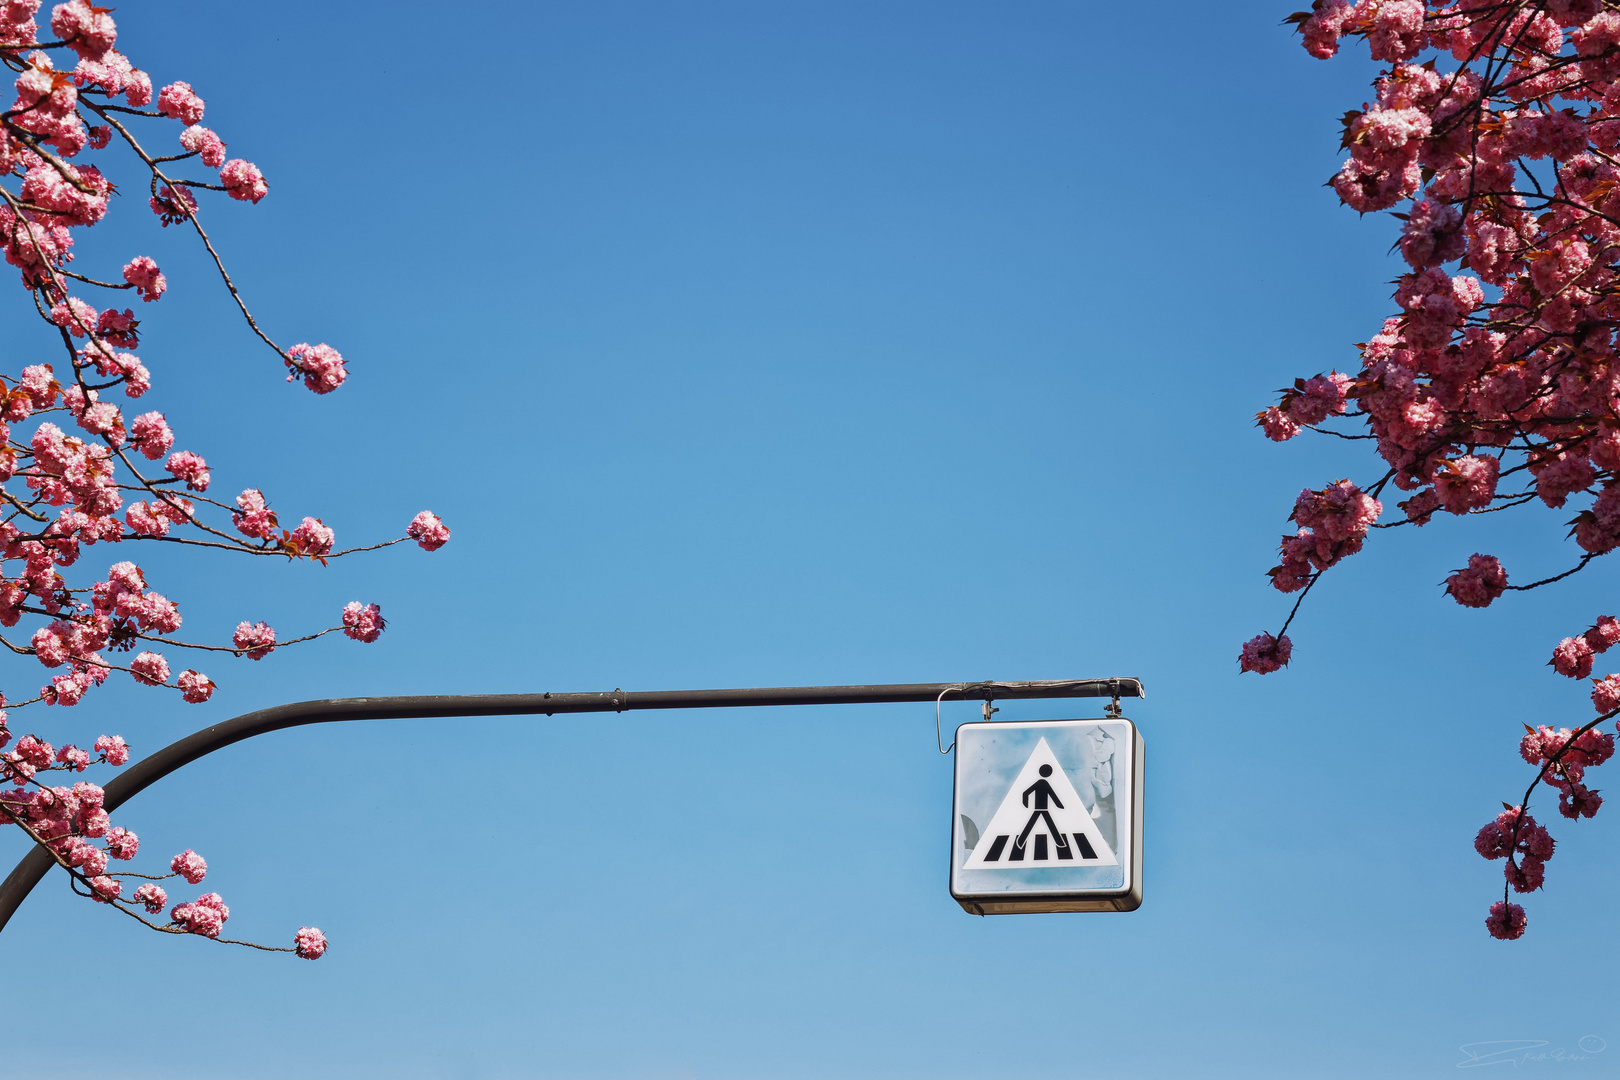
pixel 89 31
pixel 256 519
pixel 1606 693
pixel 119 329
pixel 189 865
pixel 1506 922
pixel 139 89
pixel 257 640
pixel 195 687
pixel 309 943
pixel 174 203
pixel 198 918
pixel 1340 512
pixel 64 690
pixel 75 850
pixel 99 417
pixel 204 143
pixel 126 577
pixel 75 316
pixel 39 386
pixel 1397 30
pixel 113 749
pixel 1264 654
pixel 122 844
pixel 92 860
pixel 189 467
pixel 72 195
pixel 1526 875
pixel 1325 25
pixel 150 668
pixel 1572 657
pixel 1560 475
pixel 178 100
pixel 13 768
pixel 1480 582
pixel 1433 234
pixel 363 622
pixel 1605 634
pixel 320 365
pixel 151 435
pixel 148 280
pixel 1588 747
pixel 35 751
pixel 1576 801
pixel 243 180
pixel 1279 427
pixel 1317 398
pixel 153 897
pixel 49 647
pixel 428 531
pixel 1468 483
pixel 144 519
pixel 1493 841
pixel 1302 555
pixel 312 537
pixel 1497 839
pixel 216 902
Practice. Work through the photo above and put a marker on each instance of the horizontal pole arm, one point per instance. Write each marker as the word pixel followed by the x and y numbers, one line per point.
pixel 149 770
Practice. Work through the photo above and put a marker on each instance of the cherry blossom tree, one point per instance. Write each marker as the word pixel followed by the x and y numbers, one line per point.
pixel 82 472
pixel 1495 130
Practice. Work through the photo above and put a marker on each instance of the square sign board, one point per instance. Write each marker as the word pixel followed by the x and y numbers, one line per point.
pixel 1047 817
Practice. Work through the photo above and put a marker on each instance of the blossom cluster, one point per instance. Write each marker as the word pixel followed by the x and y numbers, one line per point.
pixel 1494 138
pixel 1561 757
pixel 74 825
pixel 81 465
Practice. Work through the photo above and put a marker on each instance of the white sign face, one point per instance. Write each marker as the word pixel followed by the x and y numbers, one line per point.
pixel 1040 814
pixel 1048 816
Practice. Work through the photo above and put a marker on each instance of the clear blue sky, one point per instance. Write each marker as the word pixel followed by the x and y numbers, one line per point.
pixel 752 344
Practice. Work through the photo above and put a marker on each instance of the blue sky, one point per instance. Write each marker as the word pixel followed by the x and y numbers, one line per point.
pixel 785 344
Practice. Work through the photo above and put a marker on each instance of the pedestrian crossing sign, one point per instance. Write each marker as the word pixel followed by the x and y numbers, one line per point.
pixel 1048 816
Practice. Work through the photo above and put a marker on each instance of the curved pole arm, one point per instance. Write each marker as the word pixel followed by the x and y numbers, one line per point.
pixel 149 770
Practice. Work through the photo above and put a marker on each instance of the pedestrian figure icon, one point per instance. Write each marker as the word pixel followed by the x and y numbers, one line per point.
pixel 1042 821
pixel 1042 790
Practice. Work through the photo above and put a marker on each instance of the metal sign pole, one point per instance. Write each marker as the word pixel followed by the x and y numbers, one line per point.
pixel 148 771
